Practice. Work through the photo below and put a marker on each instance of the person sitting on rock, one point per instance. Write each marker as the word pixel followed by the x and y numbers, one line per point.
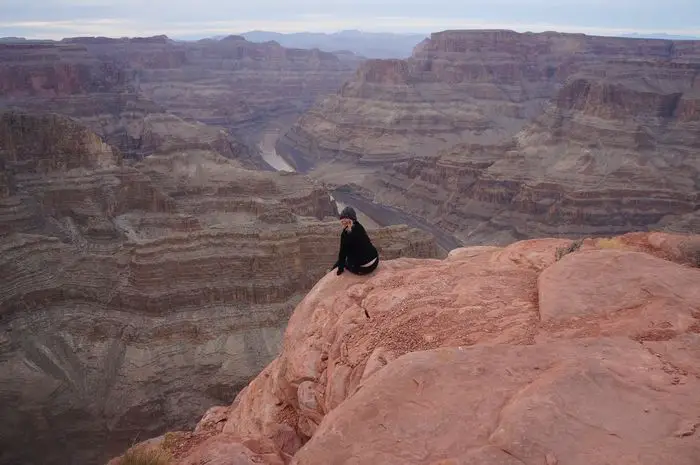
pixel 357 254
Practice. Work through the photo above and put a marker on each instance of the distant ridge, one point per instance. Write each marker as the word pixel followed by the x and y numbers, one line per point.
pixel 659 35
pixel 367 44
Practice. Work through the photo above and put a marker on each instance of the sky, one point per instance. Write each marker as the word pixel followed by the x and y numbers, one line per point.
pixel 55 19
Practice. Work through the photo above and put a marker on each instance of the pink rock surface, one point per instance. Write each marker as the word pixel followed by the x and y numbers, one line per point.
pixel 620 292
pixel 586 401
pixel 493 356
pixel 226 450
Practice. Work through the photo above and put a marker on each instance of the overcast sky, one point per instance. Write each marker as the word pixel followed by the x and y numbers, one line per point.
pixel 55 19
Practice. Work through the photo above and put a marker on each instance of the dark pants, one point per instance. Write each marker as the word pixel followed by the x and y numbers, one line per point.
pixel 356 269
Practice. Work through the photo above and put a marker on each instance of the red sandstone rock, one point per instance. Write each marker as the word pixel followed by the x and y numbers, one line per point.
pixel 492 356
pixel 585 401
pixel 618 292
pixel 213 420
pixel 225 450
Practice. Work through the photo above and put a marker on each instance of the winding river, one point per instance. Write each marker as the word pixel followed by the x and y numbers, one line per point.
pixel 269 154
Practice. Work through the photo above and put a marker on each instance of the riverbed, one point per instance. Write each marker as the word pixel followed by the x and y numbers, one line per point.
pixel 271 157
pixel 392 216
pixel 269 154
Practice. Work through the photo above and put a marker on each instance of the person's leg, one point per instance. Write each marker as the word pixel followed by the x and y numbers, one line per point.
pixel 354 269
pixel 363 270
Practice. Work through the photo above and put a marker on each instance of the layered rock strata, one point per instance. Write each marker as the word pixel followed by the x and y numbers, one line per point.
pixel 135 295
pixel 118 86
pixel 244 86
pixel 99 87
pixel 542 352
pixel 497 136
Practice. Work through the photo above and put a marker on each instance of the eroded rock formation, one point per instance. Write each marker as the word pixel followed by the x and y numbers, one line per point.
pixel 119 86
pixel 497 136
pixel 96 82
pixel 135 295
pixel 542 352
pixel 245 86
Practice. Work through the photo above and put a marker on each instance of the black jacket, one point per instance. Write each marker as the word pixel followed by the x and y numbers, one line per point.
pixel 355 247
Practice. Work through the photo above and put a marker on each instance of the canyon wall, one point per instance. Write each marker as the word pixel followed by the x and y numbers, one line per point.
pixel 135 294
pixel 244 86
pixel 121 88
pixel 99 87
pixel 497 136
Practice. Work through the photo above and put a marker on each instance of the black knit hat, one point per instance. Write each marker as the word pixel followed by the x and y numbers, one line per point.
pixel 348 212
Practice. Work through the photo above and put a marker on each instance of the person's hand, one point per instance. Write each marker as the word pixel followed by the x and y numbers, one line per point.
pixel 340 270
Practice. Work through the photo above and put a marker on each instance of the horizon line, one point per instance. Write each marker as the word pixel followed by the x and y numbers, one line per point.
pixel 658 35
pixel 104 27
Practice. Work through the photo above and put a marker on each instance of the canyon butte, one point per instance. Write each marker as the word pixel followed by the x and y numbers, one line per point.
pixel 496 136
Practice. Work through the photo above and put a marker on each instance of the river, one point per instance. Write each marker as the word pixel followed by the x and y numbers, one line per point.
pixel 370 214
pixel 390 215
pixel 269 154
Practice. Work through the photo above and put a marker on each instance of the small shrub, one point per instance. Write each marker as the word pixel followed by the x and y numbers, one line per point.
pixel 573 247
pixel 612 243
pixel 169 440
pixel 146 456
pixel 690 251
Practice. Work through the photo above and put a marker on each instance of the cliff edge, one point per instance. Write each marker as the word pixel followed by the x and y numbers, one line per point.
pixel 134 295
pixel 546 351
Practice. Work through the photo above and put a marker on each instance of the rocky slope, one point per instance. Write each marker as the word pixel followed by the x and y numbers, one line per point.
pixel 99 86
pixel 497 136
pixel 542 352
pixel 135 295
